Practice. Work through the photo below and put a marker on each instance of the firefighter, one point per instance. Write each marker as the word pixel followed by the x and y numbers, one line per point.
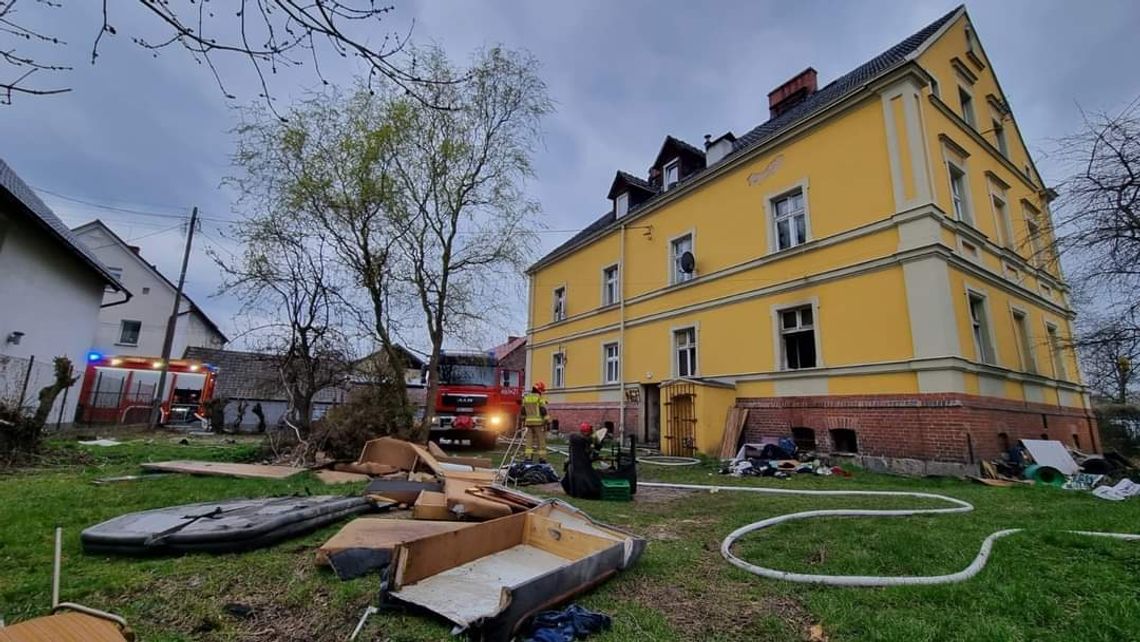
pixel 535 419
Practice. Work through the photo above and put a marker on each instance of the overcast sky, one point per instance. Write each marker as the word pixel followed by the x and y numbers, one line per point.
pixel 151 134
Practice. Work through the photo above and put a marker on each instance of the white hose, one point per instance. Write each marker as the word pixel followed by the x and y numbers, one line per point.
pixel 668 460
pixel 960 506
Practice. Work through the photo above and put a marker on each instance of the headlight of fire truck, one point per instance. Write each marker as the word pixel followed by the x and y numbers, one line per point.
pixel 496 421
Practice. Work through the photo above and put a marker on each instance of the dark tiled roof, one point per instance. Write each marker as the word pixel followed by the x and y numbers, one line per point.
pixel 247 375
pixel 41 214
pixel 829 95
pixel 626 179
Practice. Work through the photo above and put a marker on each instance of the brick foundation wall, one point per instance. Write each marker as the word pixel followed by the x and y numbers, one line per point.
pixel 571 415
pixel 933 427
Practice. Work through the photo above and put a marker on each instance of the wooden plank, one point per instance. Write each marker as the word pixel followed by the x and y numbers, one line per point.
pixel 224 469
pixel 464 504
pixel 382 533
pixel 733 427
pixel 63 627
pixel 431 505
pixel 338 477
pixel 552 537
pixel 431 555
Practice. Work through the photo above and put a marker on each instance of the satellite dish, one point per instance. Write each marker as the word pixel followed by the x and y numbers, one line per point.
pixel 688 262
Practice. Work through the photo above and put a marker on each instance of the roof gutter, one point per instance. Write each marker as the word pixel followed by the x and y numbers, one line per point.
pixel 733 162
pixel 112 304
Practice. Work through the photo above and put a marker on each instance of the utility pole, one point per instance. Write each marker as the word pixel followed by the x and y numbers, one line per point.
pixel 168 341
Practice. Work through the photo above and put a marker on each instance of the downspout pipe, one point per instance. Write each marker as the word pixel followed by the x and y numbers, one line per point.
pixel 621 335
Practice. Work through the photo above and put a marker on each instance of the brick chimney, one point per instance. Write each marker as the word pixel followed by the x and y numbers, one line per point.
pixel 792 93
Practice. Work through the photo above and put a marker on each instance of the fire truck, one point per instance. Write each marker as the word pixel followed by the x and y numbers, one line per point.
pixel 477 400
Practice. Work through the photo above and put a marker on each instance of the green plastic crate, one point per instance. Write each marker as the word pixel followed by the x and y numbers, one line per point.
pixel 616 490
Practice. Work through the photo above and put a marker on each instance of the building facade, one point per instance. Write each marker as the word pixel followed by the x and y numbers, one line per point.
pixel 868 271
pixel 51 289
pixel 138 327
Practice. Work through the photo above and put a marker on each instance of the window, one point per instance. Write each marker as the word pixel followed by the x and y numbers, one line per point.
pixel 967 102
pixel 804 438
pixel 958 194
pixel 797 337
pixel 790 220
pixel 146 290
pixel 672 173
pixel 612 363
pixel 116 272
pixel 1057 350
pixel 685 347
pixel 559 303
pixel 1001 212
pixel 980 324
pixel 129 332
pixel 1024 341
pixel 999 136
pixel 621 204
pixel 843 440
pixel 1033 230
pixel 678 248
pixel 610 292
pixel 558 372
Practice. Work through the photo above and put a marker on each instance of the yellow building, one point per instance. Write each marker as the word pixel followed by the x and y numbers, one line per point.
pixel 867 271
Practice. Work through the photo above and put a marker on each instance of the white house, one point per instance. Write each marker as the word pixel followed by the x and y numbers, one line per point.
pixel 138 327
pixel 51 290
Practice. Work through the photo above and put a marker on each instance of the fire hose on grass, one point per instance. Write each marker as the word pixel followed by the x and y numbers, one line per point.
pixel 959 506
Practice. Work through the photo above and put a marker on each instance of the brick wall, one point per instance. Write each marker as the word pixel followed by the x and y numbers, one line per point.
pixel 570 416
pixel 934 427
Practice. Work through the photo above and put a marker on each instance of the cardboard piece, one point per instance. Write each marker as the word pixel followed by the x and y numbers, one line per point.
pixel 466 505
pixel 223 469
pixel 338 477
pixel 432 506
pixel 400 454
pixel 63 627
pixel 400 490
pixel 733 427
pixel 1051 453
pixel 367 468
pixel 382 533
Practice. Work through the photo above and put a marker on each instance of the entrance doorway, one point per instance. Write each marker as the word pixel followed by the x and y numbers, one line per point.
pixel 650 413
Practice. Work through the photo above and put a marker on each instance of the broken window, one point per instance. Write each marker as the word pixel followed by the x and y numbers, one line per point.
pixel 685 345
pixel 797 336
pixel 1057 349
pixel 804 438
pixel 559 303
pixel 843 441
pixel 980 324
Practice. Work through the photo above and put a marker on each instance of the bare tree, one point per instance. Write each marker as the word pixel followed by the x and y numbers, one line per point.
pixel 269 34
pixel 1099 210
pixel 326 169
pixel 1109 349
pixel 460 176
pixel 284 276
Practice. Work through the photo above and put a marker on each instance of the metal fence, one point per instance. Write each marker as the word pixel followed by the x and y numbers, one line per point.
pixel 114 398
pixel 22 378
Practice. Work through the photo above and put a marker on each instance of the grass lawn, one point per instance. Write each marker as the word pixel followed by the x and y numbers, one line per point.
pixel 1040 585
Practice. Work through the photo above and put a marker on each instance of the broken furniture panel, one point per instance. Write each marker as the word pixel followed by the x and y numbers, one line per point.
pixel 495 575
pixel 366 544
pixel 401 490
pixel 224 469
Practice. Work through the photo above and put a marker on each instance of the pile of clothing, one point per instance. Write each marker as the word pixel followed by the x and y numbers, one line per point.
pixel 779 458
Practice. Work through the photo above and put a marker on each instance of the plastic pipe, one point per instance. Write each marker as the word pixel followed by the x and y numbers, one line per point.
pixel 959 506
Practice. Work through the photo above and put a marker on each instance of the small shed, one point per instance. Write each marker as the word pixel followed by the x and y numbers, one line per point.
pixel 693 414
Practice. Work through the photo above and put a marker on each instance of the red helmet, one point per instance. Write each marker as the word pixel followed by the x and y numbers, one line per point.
pixel 585 428
pixel 540 387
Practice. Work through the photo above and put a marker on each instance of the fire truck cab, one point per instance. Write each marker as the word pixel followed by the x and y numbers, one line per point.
pixel 477 400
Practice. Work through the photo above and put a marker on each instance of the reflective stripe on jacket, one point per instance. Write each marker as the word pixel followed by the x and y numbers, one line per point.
pixel 534 409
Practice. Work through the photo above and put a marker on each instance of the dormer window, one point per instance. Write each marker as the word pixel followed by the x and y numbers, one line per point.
pixel 672 173
pixel 621 204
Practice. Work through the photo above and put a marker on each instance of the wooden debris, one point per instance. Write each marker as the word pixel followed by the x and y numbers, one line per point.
pixel 338 477
pixel 224 469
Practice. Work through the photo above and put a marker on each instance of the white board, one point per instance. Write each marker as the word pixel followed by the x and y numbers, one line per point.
pixel 1051 453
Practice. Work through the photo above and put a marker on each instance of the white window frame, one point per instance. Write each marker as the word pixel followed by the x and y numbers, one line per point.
pixel 611 297
pixel 138 334
pixel 985 338
pixel 968 109
pixel 1033 231
pixel 1024 338
pixel 770 210
pixel 962 212
pixel 1056 351
pixel 1002 222
pixel 693 348
pixel 608 360
pixel 621 204
pixel 557 314
pixel 116 272
pixel 998 129
pixel 778 332
pixel 673 164
pixel 676 276
pixel 558 369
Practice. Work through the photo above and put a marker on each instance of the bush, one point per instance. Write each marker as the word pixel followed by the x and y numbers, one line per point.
pixel 369 412
pixel 1119 428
